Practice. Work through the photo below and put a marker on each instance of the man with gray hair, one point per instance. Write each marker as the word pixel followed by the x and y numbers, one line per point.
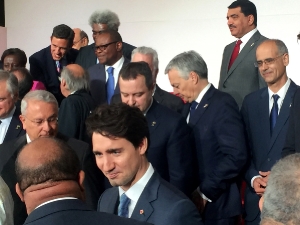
pixel 219 138
pixel 39 118
pixel 280 203
pixel 10 125
pixel 77 105
pixel 266 115
pixel 100 21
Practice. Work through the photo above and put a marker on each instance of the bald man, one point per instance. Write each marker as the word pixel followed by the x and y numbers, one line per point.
pixel 77 105
pixel 80 39
pixel 50 183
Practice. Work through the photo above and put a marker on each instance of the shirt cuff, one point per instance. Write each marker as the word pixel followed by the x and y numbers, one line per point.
pixel 253 179
pixel 202 195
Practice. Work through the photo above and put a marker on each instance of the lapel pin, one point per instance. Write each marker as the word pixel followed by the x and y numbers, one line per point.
pixel 141 212
pixel 153 123
pixel 252 44
pixel 18 126
pixel 205 105
pixel 290 104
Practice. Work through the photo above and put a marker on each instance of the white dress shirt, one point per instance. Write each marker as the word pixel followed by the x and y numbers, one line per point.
pixel 5 124
pixel 135 191
pixel 246 38
pixel 117 67
pixel 54 200
pixel 6 205
pixel 281 93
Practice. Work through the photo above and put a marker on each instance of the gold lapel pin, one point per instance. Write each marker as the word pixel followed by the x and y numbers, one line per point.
pixel 153 123
pixel 141 211
pixel 205 105
pixel 18 126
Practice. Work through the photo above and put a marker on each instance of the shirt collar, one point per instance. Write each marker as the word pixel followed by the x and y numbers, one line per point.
pixel 135 191
pixel 118 64
pixel 282 92
pixel 202 93
pixel 145 113
pixel 247 36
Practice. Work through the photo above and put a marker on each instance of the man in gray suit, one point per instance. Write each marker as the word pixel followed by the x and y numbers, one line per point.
pixel 239 76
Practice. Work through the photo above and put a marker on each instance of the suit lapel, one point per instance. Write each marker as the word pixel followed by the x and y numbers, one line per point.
pixel 202 106
pixel 113 204
pixel 284 112
pixel 143 209
pixel 14 128
pixel 152 117
pixel 158 95
pixel 244 52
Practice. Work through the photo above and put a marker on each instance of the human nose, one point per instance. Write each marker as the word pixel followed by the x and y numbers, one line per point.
pixel 46 126
pixel 107 164
pixel 264 66
pixel 131 101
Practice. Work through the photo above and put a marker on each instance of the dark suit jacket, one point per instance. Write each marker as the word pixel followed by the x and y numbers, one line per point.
pixel 87 57
pixel 74 212
pixel 72 114
pixel 43 68
pixel 243 77
pixel 265 149
pixel 93 178
pixel 221 151
pixel 160 201
pixel 98 83
pixel 15 128
pixel 292 143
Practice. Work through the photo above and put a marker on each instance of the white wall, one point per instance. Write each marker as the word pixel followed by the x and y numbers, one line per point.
pixel 3 39
pixel 169 26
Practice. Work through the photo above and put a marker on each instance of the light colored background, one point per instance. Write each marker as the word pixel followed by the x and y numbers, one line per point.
pixel 169 26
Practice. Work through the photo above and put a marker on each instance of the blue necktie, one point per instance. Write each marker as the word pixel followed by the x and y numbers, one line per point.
pixel 123 206
pixel 274 112
pixel 58 66
pixel 110 84
pixel 193 108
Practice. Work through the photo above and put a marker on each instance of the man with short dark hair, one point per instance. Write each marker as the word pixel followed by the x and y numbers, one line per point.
pixel 39 118
pixel 120 138
pixel 50 182
pixel 218 132
pixel 46 64
pixel 100 21
pixel 238 75
pixel 266 114
pixel 170 149
pixel 80 39
pixel 77 105
pixel 104 76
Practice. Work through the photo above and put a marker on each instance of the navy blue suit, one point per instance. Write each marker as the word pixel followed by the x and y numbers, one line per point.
pixel 161 204
pixel 98 83
pixel 221 152
pixel 73 212
pixel 265 149
pixel 43 68
pixel 15 128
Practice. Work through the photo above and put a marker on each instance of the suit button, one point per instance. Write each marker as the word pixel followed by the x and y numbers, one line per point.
pixel 269 159
pixel 224 86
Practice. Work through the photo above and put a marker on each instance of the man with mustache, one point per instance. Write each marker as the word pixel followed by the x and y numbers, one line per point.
pixel 238 75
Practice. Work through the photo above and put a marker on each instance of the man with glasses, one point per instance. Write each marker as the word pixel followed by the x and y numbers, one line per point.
pixel 46 64
pixel 104 76
pixel 100 21
pixel 81 39
pixel 266 114
pixel 39 118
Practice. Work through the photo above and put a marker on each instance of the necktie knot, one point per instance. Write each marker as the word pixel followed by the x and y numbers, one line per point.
pixel 275 97
pixel 123 206
pixel 239 42
pixel 193 108
pixel 235 53
pixel 57 66
pixel 274 112
pixel 110 70
pixel 110 85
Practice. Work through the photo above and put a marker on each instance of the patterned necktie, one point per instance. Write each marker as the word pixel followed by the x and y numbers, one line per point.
pixel 193 108
pixel 57 66
pixel 235 53
pixel 123 206
pixel 110 84
pixel 274 112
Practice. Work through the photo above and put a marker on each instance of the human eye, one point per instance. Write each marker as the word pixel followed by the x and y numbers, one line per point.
pixel 115 152
pixel 2 99
pixel 259 63
pixel 269 60
pixel 97 154
pixel 38 121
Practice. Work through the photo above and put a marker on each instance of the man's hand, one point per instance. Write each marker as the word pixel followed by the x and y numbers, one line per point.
pixel 265 175
pixel 199 201
pixel 259 185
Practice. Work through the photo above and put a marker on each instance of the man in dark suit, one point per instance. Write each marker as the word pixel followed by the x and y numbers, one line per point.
pixel 149 55
pixel 77 105
pixel 100 21
pixel 266 135
pixel 39 119
pixel 219 137
pixel 170 150
pixel 239 76
pixel 58 198
pixel 10 126
pixel 46 64
pixel 138 192
pixel 104 76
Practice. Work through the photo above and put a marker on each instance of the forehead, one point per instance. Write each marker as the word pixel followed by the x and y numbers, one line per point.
pixel 99 26
pixel 11 58
pixel 174 76
pixel 3 89
pixel 59 42
pixel 133 85
pixel 266 50
pixel 138 57
pixel 235 11
pixel 103 39
pixel 41 108
pixel 103 143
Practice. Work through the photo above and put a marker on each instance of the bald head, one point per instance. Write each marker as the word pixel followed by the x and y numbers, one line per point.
pixel 73 78
pixel 80 39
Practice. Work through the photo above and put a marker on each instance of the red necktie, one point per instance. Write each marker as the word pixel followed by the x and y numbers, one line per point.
pixel 235 53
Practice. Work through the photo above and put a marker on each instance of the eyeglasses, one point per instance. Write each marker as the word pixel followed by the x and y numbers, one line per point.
pixel 74 43
pixel 266 61
pixel 103 47
pixel 38 122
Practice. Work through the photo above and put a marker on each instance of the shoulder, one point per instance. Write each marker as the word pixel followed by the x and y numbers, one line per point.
pixel 40 54
pixel 87 49
pixel 252 97
pixel 166 113
pixel 128 46
pixel 96 69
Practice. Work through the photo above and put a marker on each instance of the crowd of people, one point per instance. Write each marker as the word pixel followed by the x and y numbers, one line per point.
pixel 87 129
